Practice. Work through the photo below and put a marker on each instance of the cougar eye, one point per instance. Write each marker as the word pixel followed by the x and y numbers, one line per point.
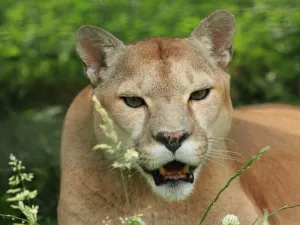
pixel 199 95
pixel 133 102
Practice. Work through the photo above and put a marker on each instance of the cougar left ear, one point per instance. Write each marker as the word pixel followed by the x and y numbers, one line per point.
pixel 217 30
pixel 95 47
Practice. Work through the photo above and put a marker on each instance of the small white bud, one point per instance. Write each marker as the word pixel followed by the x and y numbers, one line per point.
pixel 230 220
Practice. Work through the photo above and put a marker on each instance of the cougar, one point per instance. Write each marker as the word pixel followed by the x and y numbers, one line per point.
pixel 169 99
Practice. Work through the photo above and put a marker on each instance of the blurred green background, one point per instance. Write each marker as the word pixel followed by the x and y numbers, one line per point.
pixel 41 73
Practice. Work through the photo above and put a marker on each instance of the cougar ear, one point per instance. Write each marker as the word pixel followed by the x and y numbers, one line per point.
pixel 95 47
pixel 217 31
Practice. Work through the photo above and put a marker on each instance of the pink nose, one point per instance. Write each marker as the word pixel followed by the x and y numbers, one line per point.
pixel 172 140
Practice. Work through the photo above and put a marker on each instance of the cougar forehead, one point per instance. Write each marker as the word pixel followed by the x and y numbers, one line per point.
pixel 166 51
pixel 165 67
pixel 160 48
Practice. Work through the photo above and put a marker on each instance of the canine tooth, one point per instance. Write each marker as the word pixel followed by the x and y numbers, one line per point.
pixel 162 171
pixel 185 169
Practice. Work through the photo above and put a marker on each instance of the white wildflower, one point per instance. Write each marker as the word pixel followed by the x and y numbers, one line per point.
pixel 122 165
pixel 20 193
pixel 116 165
pixel 29 212
pixel 131 154
pixel 103 147
pixel 230 220
pixel 14 190
pixel 24 195
pixel 107 128
pixel 26 176
pixel 12 159
pixel 115 145
pixel 14 180
pixel 136 219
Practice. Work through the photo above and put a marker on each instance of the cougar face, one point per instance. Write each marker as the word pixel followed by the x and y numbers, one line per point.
pixel 169 97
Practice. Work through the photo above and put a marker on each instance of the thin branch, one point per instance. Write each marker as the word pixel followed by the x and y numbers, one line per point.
pixel 255 221
pixel 253 159
pixel 277 211
pixel 125 192
pixel 14 217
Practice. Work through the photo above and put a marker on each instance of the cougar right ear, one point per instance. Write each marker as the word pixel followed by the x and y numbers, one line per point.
pixel 95 47
pixel 217 32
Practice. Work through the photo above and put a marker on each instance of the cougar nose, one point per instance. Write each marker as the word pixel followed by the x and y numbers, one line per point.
pixel 172 140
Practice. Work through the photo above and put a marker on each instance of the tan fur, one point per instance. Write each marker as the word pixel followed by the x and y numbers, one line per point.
pixel 164 72
pixel 273 181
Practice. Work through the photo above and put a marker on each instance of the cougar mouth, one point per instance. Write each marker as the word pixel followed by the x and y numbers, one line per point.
pixel 172 172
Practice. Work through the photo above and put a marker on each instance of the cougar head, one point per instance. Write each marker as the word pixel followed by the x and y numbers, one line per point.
pixel 167 96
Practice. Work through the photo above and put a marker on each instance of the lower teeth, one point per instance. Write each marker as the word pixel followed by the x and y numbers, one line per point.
pixel 184 170
pixel 159 179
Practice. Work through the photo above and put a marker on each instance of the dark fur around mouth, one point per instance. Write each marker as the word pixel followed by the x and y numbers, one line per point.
pixel 176 166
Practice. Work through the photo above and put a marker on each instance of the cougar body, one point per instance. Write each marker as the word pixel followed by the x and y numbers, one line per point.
pixel 169 99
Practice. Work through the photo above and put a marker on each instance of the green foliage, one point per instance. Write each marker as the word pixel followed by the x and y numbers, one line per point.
pixel 266 64
pixel 37 43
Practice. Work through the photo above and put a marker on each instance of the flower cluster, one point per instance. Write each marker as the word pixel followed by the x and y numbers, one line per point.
pixel 129 156
pixel 20 194
pixel 230 220
pixel 108 130
pixel 133 220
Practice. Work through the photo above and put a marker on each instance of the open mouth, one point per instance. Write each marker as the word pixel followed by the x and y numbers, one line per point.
pixel 172 172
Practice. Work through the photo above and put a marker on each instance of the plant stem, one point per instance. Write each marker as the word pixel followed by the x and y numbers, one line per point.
pixel 240 171
pixel 125 192
pixel 278 210
pixel 14 217
pixel 255 221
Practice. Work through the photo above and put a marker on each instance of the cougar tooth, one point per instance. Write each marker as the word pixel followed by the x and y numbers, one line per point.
pixel 162 171
pixel 185 169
